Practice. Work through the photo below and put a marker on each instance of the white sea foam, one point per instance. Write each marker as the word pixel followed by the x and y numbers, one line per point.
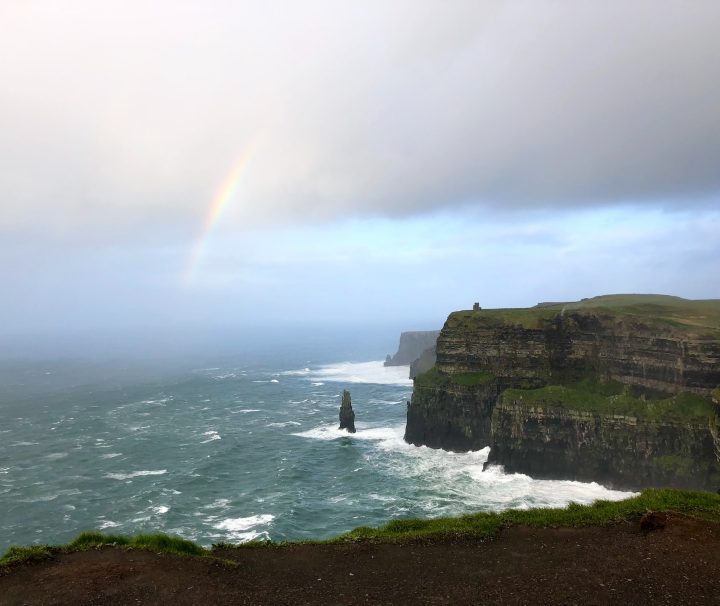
pixel 330 431
pixel 382 497
pixel 244 529
pixel 362 372
pixel 218 504
pixel 464 483
pixel 160 509
pixel 108 524
pixel 285 424
pixel 212 435
pixel 111 455
pixel 296 373
pixel 136 474
pixel 54 456
pixel 158 401
pixel 234 524
pixel 40 499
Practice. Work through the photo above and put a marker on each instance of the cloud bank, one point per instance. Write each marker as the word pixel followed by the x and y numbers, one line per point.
pixel 121 116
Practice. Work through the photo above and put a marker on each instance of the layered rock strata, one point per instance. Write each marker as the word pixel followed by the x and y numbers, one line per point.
pixel 656 429
pixel 619 451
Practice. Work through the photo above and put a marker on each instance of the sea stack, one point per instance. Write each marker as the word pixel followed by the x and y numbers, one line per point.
pixel 347 416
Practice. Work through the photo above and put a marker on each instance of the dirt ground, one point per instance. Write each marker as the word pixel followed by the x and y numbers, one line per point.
pixel 620 564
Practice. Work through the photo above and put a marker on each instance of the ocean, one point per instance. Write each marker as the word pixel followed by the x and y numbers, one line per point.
pixel 232 452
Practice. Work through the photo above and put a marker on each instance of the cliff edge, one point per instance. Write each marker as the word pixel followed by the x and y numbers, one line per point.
pixel 616 389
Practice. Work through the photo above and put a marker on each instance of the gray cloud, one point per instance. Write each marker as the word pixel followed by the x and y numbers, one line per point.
pixel 131 114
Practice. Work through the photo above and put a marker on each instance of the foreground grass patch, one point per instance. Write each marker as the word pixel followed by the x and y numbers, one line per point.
pixel 156 542
pixel 17 555
pixel 703 505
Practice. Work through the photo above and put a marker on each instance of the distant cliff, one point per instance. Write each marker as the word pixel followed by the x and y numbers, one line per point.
pixel 615 389
pixel 411 347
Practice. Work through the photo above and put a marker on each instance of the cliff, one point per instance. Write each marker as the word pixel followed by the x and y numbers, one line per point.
pixel 615 389
pixel 411 347
pixel 424 363
pixel 545 439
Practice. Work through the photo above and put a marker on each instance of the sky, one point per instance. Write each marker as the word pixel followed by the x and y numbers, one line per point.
pixel 173 164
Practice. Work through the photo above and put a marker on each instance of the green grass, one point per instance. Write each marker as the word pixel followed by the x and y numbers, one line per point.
pixel 694 316
pixel 613 398
pixel 437 378
pixel 531 318
pixel 703 505
pixel 17 555
pixel 156 542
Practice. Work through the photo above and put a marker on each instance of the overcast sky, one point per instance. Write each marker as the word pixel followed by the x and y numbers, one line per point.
pixel 394 160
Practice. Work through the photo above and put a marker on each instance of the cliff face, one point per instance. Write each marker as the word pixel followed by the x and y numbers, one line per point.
pixel 647 355
pixel 639 412
pixel 453 417
pixel 715 422
pixel 621 451
pixel 411 347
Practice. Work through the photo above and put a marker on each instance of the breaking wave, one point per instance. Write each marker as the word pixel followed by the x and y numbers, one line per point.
pixel 361 372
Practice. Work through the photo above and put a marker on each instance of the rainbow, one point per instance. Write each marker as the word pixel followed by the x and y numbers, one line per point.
pixel 219 203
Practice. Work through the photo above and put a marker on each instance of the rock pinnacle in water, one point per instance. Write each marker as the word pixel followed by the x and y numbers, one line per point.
pixel 347 416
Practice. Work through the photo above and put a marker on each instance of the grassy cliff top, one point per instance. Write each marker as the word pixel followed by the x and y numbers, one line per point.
pixel 695 316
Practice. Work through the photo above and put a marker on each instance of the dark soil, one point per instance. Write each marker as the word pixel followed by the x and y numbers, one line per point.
pixel 673 562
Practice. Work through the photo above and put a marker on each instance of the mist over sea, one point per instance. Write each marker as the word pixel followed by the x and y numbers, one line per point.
pixel 234 450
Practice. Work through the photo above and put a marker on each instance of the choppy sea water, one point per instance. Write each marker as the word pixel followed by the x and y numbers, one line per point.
pixel 233 453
